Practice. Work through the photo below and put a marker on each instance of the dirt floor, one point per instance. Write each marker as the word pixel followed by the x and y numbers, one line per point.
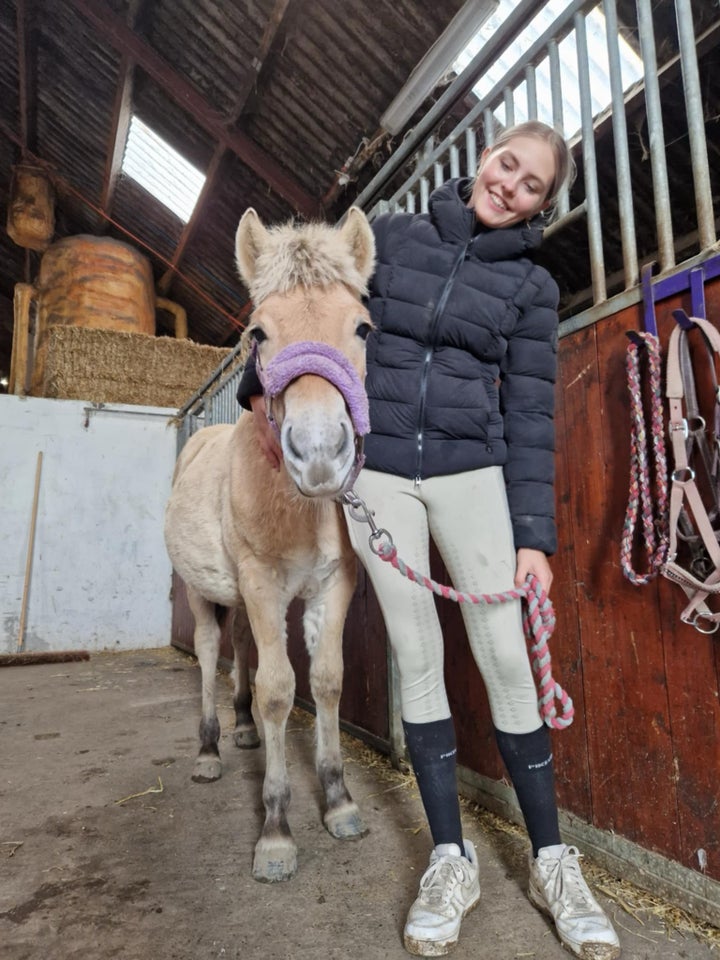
pixel 107 849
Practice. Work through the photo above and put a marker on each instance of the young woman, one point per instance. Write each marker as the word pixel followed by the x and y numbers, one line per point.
pixel 460 377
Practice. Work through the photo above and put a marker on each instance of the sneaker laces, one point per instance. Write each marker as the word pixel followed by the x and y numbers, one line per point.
pixel 569 884
pixel 440 879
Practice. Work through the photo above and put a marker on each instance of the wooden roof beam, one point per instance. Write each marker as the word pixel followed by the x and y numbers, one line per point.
pixel 122 112
pixel 114 30
pixel 266 43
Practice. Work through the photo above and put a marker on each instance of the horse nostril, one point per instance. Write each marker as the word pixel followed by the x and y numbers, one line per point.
pixel 344 440
pixel 291 446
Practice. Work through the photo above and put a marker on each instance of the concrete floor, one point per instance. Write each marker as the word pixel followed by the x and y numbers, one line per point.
pixel 166 875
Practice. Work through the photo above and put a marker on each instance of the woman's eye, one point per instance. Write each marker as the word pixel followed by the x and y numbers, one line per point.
pixel 257 334
pixel 363 330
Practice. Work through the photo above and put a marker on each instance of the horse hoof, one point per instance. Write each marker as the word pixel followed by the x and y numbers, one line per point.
pixel 207 769
pixel 274 863
pixel 345 823
pixel 246 738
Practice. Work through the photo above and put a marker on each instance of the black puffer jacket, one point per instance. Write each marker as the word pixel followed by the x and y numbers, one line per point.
pixel 461 367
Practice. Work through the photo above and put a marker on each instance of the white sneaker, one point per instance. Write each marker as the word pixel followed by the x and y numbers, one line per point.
pixel 449 888
pixel 557 887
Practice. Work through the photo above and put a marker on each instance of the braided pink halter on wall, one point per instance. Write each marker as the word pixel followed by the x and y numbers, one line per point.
pixel 643 458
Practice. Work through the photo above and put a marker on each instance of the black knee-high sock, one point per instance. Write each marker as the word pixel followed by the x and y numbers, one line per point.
pixel 529 761
pixel 433 753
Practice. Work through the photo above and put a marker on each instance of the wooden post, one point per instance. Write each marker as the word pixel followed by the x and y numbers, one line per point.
pixel 29 558
pixel 20 357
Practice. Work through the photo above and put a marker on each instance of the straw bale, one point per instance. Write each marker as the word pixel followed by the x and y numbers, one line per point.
pixel 107 366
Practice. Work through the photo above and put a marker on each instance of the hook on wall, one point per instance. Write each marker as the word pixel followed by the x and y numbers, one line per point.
pixel 683 320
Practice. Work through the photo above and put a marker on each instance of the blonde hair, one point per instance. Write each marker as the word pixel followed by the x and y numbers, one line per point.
pixel 564 163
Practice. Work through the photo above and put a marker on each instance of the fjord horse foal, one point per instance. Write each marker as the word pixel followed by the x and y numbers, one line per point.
pixel 241 534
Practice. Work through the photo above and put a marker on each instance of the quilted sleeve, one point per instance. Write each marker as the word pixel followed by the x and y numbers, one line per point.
pixel 527 398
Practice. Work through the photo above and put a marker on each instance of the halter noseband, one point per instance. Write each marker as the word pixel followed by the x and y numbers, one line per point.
pixel 310 356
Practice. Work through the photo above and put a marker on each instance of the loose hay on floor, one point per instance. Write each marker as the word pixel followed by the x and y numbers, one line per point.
pixel 660 920
pixel 659 917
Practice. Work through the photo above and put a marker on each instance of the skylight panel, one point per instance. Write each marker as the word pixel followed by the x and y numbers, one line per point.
pixel 630 64
pixel 161 170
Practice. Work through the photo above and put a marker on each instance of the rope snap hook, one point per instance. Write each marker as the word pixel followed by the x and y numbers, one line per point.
pixel 380 541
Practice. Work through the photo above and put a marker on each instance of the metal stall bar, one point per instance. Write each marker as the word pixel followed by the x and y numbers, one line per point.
pixel 471 157
pixel 501 92
pixel 509 100
pixel 213 378
pixel 454 161
pixel 200 408
pixel 696 124
pixel 592 196
pixel 663 217
pixel 563 201
pixel 531 85
pixel 628 237
pixel 225 407
pixel 509 31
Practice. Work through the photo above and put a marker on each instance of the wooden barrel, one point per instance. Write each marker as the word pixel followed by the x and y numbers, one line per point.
pixel 31 207
pixel 88 281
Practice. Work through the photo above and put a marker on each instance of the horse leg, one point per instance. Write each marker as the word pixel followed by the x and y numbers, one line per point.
pixel 245 733
pixel 207 644
pixel 275 852
pixel 323 625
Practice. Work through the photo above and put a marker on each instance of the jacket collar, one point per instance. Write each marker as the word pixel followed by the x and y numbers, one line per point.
pixel 455 223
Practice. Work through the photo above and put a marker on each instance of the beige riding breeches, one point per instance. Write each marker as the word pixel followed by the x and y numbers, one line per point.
pixel 467 516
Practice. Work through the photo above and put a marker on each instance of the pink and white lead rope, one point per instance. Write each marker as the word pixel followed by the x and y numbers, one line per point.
pixel 653 509
pixel 538 615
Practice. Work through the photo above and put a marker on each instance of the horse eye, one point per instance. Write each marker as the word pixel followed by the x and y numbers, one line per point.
pixel 363 330
pixel 257 334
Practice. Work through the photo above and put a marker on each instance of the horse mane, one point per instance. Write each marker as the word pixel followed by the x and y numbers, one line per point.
pixel 309 255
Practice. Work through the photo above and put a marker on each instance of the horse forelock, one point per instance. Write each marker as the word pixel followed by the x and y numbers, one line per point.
pixel 310 256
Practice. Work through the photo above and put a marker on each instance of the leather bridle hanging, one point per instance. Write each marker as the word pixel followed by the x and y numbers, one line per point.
pixel 694 455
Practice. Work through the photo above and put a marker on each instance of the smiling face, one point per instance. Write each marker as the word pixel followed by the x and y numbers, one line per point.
pixel 513 182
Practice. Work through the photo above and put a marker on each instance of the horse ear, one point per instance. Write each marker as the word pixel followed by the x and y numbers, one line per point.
pixel 358 235
pixel 250 241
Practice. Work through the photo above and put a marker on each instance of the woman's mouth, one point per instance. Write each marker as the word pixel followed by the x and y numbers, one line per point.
pixel 498 202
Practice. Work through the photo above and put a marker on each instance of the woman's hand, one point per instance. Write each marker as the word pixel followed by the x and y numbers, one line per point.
pixel 533 563
pixel 266 436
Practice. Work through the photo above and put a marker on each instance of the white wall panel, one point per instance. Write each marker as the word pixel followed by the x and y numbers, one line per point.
pixel 100 577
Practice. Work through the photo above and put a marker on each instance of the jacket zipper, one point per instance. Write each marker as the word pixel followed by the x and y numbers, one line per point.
pixel 432 343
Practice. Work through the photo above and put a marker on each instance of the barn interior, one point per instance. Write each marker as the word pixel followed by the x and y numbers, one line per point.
pixel 300 109
pixel 279 105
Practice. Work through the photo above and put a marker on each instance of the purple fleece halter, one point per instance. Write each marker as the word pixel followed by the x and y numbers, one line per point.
pixel 309 356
